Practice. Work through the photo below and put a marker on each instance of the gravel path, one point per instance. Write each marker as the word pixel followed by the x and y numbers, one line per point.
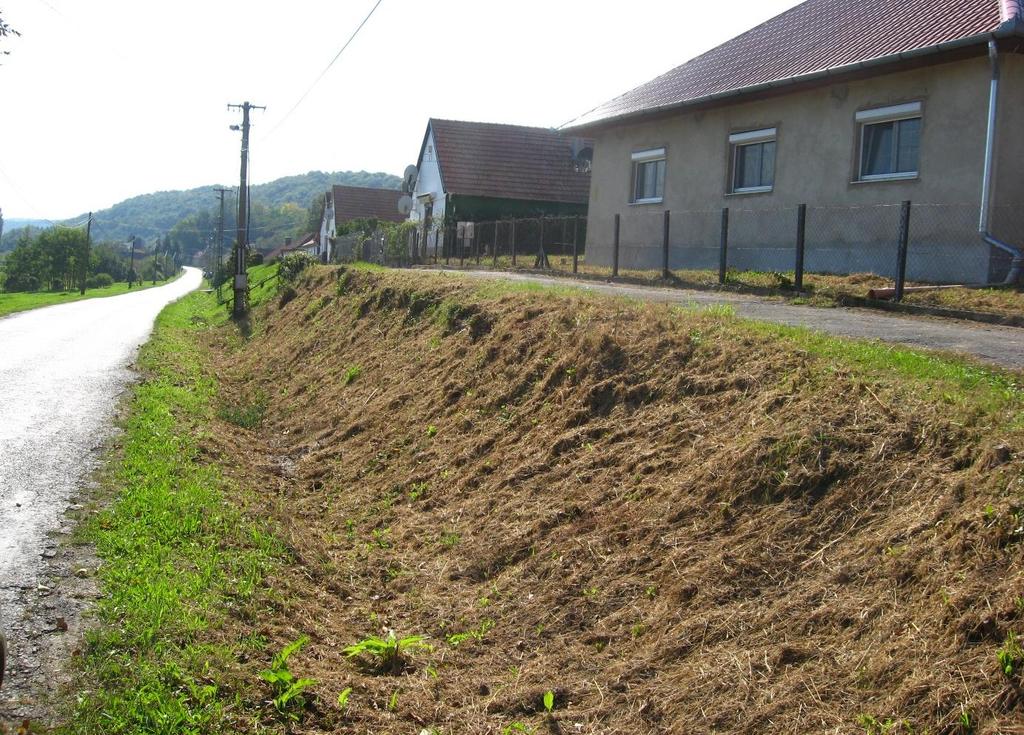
pixel 995 345
pixel 62 370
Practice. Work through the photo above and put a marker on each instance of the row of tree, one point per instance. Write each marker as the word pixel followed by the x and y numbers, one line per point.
pixel 62 259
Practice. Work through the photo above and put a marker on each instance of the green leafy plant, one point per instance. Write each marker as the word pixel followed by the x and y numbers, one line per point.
pixel 351 373
pixel 431 431
pixel 390 655
pixel 516 727
pixel 873 726
pixel 1011 655
pixel 288 690
pixel 343 698
pixel 549 701
pixel 478 634
pixel 417 490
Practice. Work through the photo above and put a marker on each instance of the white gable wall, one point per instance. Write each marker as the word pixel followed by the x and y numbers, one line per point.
pixel 428 188
pixel 327 229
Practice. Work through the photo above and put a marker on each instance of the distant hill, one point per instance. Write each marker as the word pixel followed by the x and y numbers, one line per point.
pixel 16 223
pixel 150 215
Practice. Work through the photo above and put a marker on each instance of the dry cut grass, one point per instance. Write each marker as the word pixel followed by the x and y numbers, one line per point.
pixel 669 520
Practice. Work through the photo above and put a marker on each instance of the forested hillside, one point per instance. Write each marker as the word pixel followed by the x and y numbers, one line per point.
pixel 277 206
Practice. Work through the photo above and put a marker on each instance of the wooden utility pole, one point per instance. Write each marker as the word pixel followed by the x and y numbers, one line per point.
pixel 85 256
pixel 241 286
pixel 131 270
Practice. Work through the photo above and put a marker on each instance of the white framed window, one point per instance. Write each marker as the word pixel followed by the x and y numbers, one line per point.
pixel 753 161
pixel 648 176
pixel 890 142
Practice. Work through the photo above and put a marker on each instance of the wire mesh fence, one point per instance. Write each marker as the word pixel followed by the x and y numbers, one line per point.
pixel 896 245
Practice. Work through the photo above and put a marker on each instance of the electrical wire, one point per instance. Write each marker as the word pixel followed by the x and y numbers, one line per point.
pixel 316 81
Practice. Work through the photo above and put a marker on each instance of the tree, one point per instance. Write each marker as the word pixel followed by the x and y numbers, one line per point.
pixel 315 214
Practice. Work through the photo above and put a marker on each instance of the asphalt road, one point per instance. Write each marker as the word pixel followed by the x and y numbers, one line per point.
pixel 62 370
pixel 995 345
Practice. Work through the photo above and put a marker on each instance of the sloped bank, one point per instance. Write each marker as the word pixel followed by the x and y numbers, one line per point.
pixel 672 520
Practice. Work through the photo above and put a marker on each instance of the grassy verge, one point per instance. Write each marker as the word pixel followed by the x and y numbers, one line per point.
pixel 11 303
pixel 176 557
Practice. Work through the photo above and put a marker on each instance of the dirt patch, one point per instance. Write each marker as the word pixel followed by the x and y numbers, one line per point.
pixel 668 522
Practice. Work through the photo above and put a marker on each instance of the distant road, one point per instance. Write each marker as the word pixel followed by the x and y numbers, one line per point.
pixel 62 369
pixel 996 345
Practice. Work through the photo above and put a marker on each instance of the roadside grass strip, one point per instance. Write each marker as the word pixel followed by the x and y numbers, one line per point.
pixel 12 303
pixel 176 557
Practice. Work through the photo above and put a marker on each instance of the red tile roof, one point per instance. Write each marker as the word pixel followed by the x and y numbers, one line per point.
pixel 280 250
pixel 507 162
pixel 360 202
pixel 813 37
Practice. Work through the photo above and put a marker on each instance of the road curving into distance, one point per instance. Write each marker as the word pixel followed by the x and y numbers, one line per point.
pixel 62 371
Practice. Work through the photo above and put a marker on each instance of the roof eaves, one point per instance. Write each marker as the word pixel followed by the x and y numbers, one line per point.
pixel 1009 29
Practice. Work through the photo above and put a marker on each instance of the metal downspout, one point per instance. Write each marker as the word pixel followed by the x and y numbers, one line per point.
pixel 986 180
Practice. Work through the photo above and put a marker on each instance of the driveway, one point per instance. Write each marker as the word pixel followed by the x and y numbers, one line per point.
pixel 995 345
pixel 62 371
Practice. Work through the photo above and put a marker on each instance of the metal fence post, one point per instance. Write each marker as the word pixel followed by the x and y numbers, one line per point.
pixel 462 244
pixel 723 255
pixel 446 243
pixel 615 249
pixel 541 259
pixel 494 246
pixel 513 242
pixel 801 229
pixel 476 241
pixel 664 246
pixel 576 244
pixel 901 253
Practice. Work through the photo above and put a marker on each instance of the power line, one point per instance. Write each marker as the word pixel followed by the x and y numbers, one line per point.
pixel 324 72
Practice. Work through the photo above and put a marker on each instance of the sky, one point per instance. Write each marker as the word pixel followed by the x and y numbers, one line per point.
pixel 104 100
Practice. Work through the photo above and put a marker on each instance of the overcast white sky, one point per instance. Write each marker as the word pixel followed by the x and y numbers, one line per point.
pixel 104 100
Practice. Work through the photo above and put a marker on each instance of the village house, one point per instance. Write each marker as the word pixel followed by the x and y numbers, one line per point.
pixel 472 171
pixel 343 204
pixel 305 244
pixel 847 106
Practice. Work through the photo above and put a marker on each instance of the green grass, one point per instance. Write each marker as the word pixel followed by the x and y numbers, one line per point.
pixel 175 556
pixel 11 303
pixel 945 378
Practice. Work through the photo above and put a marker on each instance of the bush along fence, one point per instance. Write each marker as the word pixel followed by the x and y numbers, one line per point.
pixel 888 247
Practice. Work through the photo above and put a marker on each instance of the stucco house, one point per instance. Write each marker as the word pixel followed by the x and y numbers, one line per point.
pixel 472 171
pixel 847 106
pixel 343 204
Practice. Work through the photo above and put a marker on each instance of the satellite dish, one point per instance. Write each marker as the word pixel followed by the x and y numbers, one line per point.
pixel 405 205
pixel 409 179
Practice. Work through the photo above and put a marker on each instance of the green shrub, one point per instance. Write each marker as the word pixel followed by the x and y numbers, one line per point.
pixel 293 264
pixel 100 280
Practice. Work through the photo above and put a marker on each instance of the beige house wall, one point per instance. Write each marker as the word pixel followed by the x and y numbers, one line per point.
pixel 851 225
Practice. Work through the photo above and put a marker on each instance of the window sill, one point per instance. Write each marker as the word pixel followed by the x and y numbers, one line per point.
pixel 751 190
pixel 641 202
pixel 886 177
